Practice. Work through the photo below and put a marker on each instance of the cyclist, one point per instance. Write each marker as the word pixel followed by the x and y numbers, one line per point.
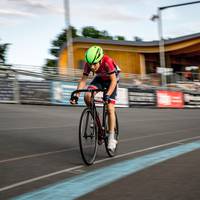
pixel 106 77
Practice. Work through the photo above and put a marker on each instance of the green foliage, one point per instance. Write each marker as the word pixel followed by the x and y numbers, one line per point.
pixel 54 51
pixel 56 46
pixel 50 69
pixel 3 52
pixel 91 32
pixel 105 35
pixel 51 62
pixel 137 39
pixel 118 37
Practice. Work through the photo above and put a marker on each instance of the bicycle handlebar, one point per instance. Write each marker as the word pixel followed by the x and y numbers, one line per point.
pixel 87 90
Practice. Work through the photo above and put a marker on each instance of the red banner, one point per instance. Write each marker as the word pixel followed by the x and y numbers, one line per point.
pixel 169 99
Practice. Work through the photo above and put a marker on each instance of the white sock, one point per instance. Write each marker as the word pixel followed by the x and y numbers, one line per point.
pixel 111 136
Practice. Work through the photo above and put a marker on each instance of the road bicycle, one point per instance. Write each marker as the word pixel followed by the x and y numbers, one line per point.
pixel 93 130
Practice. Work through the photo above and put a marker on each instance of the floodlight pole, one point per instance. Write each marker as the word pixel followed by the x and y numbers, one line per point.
pixel 70 63
pixel 161 39
pixel 161 48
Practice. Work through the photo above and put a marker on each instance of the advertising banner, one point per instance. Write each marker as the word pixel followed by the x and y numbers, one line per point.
pixel 122 97
pixel 169 99
pixel 141 97
pixel 192 100
pixel 61 93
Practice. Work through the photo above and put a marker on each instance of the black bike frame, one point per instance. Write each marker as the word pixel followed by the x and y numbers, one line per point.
pixel 100 125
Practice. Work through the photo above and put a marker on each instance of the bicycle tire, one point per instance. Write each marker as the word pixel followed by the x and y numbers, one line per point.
pixel 110 152
pixel 89 136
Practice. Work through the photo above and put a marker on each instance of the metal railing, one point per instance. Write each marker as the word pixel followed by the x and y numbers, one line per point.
pixel 9 86
pixel 75 74
pixel 13 78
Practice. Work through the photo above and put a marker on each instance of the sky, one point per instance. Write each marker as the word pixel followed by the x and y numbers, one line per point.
pixel 31 25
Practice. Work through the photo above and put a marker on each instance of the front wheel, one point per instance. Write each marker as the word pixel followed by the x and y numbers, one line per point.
pixel 110 152
pixel 88 139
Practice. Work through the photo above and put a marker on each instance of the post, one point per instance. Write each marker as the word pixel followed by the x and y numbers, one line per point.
pixel 70 63
pixel 161 48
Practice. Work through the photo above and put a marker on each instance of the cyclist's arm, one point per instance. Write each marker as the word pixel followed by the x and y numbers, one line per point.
pixel 113 84
pixel 82 83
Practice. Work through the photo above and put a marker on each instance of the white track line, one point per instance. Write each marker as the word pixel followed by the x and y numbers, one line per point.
pixel 35 127
pixel 147 149
pixel 157 134
pixel 99 161
pixel 37 155
pixel 75 148
pixel 39 178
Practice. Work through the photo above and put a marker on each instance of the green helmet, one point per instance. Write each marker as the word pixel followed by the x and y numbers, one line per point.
pixel 93 55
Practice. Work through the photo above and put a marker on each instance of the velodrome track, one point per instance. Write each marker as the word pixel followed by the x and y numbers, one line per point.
pixel 158 155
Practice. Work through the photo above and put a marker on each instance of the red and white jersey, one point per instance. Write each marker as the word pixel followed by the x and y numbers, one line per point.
pixel 106 68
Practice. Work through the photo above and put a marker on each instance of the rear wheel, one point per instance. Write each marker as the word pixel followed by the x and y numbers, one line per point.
pixel 88 139
pixel 110 152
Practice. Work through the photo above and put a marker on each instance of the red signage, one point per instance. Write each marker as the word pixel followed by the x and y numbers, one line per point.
pixel 169 99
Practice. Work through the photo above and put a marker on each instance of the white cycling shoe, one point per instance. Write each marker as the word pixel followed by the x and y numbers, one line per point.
pixel 112 143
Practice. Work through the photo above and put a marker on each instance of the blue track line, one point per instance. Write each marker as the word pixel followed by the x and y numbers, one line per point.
pixel 88 182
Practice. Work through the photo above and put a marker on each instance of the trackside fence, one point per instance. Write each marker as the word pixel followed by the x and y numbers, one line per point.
pixel 30 88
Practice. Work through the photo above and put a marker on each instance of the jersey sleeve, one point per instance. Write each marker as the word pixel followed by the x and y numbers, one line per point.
pixel 110 66
pixel 86 70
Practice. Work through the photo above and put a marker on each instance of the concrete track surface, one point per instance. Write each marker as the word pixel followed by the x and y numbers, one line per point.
pixel 39 155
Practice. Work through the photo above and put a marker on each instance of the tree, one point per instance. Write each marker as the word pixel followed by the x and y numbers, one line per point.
pixel 137 39
pixel 50 67
pixel 105 35
pixel 3 52
pixel 118 37
pixel 91 32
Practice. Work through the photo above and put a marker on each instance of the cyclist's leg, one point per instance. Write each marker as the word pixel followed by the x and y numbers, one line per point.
pixel 111 120
pixel 111 112
pixel 111 107
pixel 111 117
pixel 112 142
pixel 95 84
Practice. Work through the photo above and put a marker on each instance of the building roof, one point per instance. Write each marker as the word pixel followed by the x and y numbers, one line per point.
pixel 136 43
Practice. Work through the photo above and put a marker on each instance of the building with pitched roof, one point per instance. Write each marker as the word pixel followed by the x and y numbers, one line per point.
pixel 138 57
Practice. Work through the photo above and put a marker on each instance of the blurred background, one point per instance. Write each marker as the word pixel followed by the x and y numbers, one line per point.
pixel 155 43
